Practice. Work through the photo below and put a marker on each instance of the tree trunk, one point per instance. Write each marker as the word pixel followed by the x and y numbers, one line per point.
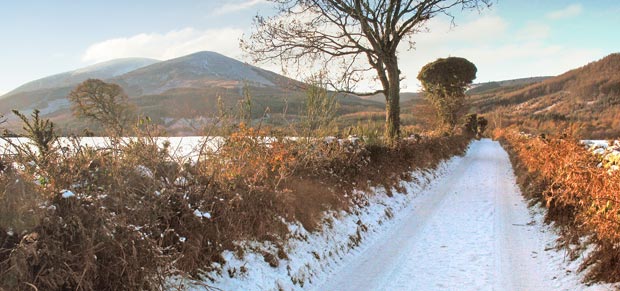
pixel 392 104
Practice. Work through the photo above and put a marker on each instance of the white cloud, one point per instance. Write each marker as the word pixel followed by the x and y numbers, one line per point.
pixel 443 38
pixel 567 12
pixel 510 60
pixel 440 40
pixel 482 29
pixel 534 31
pixel 167 45
pixel 234 7
pixel 499 51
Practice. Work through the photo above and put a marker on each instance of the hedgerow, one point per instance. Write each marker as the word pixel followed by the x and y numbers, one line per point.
pixel 131 215
pixel 581 197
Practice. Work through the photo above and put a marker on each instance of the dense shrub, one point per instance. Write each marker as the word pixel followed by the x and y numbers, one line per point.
pixel 131 215
pixel 581 197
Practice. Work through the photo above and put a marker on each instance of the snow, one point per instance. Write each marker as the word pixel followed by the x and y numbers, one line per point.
pixel 46 107
pixel 312 256
pixel 201 214
pixel 67 194
pixel 473 231
pixel 114 67
pixel 330 139
pixel 186 147
pixel 548 108
pixel 462 227
pixel 180 181
pixel 144 171
pixel 217 65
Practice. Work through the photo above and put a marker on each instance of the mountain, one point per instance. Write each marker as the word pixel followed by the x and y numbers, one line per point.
pixel 181 93
pixel 584 101
pixel 199 70
pixel 209 72
pixel 103 70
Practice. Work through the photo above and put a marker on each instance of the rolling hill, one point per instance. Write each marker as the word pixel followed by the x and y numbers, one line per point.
pixel 584 101
pixel 488 87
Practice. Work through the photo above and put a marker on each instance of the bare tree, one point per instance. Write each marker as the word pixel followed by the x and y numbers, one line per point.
pixel 355 36
pixel 102 102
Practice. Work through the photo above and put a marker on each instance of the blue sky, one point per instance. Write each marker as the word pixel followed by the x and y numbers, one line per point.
pixel 516 38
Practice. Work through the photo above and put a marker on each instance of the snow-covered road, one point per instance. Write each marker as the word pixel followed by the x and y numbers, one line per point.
pixel 471 230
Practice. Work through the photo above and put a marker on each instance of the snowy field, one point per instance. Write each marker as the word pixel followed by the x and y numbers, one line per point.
pixel 180 147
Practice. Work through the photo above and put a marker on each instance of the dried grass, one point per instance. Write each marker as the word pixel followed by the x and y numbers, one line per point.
pixel 581 198
pixel 133 222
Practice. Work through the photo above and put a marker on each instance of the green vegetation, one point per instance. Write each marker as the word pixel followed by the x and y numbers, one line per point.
pixel 444 82
pixel 40 131
pixel 475 125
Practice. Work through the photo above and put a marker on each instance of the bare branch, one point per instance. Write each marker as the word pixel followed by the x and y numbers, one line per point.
pixel 319 33
pixel 361 94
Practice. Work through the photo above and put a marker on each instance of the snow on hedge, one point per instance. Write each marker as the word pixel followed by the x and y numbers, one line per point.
pixel 312 256
pixel 608 152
